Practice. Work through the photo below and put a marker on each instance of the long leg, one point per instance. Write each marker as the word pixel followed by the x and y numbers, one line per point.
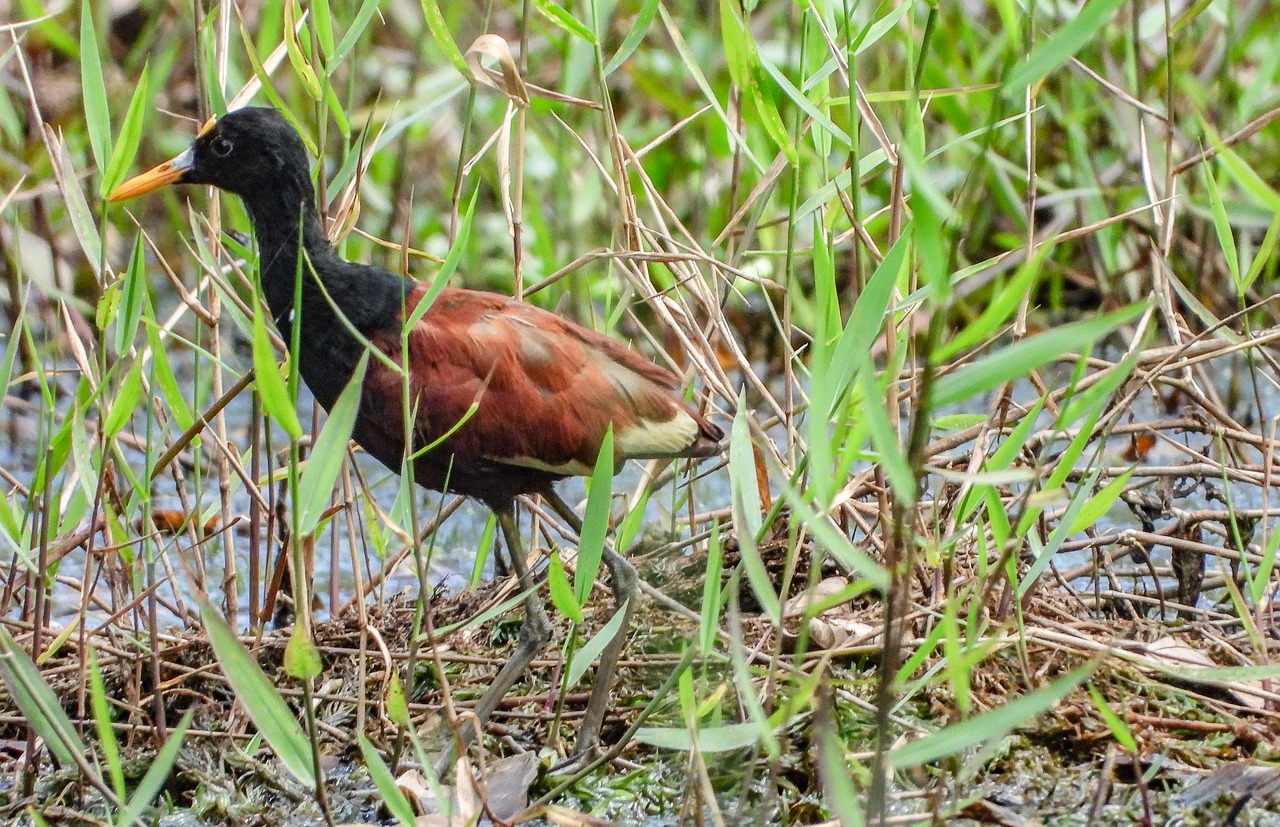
pixel 626 584
pixel 534 634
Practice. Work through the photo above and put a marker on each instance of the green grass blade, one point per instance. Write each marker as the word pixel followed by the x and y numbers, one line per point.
pixel 38 703
pixel 93 89
pixel 562 596
pixel 158 774
pixel 595 523
pixel 324 463
pixel 361 22
pixel 126 147
pixel 393 797
pixel 271 387
pixel 748 517
pixel 132 297
pixel 270 714
pixel 965 735
pixel 561 17
pixel 709 739
pixel 1033 353
pixel 1064 43
pixel 322 14
pixel 584 657
pixel 634 37
pixel 444 38
pixel 711 592
pixel 102 719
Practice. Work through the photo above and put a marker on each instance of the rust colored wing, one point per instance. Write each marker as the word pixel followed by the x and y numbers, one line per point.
pixel 545 391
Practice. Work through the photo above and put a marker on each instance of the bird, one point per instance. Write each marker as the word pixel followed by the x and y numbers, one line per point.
pixel 545 390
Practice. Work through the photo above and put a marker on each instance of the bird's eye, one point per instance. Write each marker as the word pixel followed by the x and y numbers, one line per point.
pixel 220 147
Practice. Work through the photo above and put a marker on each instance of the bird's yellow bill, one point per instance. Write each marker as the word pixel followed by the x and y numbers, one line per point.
pixel 155 178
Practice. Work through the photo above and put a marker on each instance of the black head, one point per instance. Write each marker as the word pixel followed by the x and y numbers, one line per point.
pixel 252 152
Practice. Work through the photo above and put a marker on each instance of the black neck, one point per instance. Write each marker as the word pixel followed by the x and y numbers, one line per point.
pixel 280 219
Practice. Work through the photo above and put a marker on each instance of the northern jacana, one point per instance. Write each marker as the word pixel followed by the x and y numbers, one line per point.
pixel 547 389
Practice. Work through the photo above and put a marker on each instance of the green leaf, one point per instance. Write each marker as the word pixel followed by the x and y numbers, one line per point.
pixel 998 310
pixel 37 702
pixel 130 134
pixel 270 714
pixel 1062 45
pixel 886 441
pixel 834 541
pixel 744 66
pixel 301 66
pixel 324 463
pixel 354 31
pixel 1120 731
pixel 595 523
pixel 443 38
pixel 126 401
pixel 999 722
pixel 561 592
pixel 322 14
pixel 93 89
pixel 447 269
pixel 397 708
pixel 1222 226
pixel 1022 357
pixel 865 322
pixel 392 796
pixel 625 534
pixel 584 657
pixel 133 297
pixel 634 37
pixel 709 739
pixel 163 377
pixel 1099 504
pixel 747 512
pixel 158 774
pixel 562 18
pixel 711 589
pixel 1265 253
pixel 301 657
pixel 271 388
pixel 102 719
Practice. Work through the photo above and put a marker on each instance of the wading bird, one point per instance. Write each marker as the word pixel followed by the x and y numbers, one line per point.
pixel 547 389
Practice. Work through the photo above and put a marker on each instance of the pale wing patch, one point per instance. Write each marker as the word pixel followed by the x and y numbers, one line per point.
pixel 647 439
pixel 572 468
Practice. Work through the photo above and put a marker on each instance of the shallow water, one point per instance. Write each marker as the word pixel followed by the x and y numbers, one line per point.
pixel 453 547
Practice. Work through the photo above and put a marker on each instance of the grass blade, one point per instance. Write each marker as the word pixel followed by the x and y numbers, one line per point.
pixel 254 689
